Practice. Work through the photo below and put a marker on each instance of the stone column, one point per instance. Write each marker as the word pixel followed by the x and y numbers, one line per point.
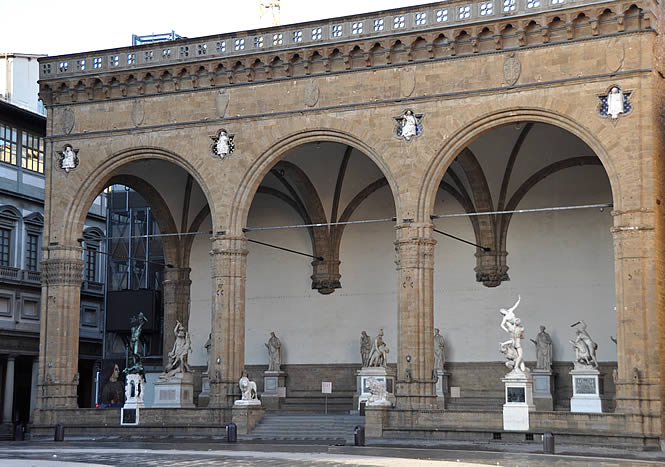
pixel 8 405
pixel 415 316
pixel 229 272
pixel 33 387
pixel 177 290
pixel 637 379
pixel 59 335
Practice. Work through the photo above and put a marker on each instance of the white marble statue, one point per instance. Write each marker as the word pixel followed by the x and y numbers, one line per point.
pixel 512 348
pixel 585 349
pixel 69 159
pixel 247 388
pixel 179 355
pixel 274 347
pixel 377 392
pixel 365 348
pixel 543 344
pixel 409 125
pixel 615 104
pixel 223 144
pixel 439 350
pixel 379 355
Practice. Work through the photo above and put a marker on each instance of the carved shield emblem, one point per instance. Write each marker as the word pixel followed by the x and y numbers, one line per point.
pixel 67 120
pixel 407 81
pixel 138 112
pixel 614 56
pixel 311 93
pixel 222 102
pixel 511 70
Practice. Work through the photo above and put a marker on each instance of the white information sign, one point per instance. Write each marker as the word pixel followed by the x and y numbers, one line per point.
pixel 326 387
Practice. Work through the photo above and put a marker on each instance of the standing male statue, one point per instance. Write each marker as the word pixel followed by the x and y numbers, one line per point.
pixel 379 355
pixel 439 350
pixel 365 348
pixel 543 343
pixel 274 347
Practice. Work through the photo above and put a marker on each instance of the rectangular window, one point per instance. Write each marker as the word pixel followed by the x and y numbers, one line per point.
pixel 5 246
pixel 91 264
pixel 32 152
pixel 32 252
pixel 8 144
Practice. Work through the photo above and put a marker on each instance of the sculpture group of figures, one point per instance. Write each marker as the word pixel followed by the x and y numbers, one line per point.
pixel 373 353
pixel 585 348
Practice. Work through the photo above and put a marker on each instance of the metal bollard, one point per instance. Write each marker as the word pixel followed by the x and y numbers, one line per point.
pixel 59 432
pixel 19 432
pixel 231 433
pixel 548 443
pixel 359 436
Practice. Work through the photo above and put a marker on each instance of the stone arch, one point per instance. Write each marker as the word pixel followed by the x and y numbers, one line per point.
pixel 98 179
pixel 474 129
pixel 255 174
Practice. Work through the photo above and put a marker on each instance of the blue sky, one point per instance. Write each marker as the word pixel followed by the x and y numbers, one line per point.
pixel 54 28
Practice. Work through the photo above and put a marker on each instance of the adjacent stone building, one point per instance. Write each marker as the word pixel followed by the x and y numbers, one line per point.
pixel 413 122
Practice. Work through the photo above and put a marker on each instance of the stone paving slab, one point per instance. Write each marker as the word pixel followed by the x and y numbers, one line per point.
pixel 207 454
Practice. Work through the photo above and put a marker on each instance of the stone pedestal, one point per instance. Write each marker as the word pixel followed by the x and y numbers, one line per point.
pixel 543 383
pixel 441 388
pixel 379 373
pixel 204 395
pixel 134 391
pixel 176 392
pixel 274 388
pixel 586 396
pixel 518 401
pixel 246 416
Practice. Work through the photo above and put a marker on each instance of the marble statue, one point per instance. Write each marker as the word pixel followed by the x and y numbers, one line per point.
pixel 113 390
pixel 137 323
pixel 179 355
pixel 379 355
pixel 543 343
pixel 365 348
pixel 615 103
pixel 585 348
pixel 377 392
pixel 247 388
pixel 274 347
pixel 409 125
pixel 512 348
pixel 439 350
pixel 222 144
pixel 69 159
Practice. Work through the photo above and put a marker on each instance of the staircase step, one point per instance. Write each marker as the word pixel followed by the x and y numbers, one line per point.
pixel 306 427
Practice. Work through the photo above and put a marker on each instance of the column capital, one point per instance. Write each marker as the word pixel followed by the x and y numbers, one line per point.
pixel 229 245
pixel 414 246
pixel 62 271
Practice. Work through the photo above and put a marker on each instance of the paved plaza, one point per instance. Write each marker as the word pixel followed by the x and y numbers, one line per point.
pixel 184 453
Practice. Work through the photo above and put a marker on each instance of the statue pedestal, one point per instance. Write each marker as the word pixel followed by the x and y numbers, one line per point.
pixel 543 382
pixel 134 391
pixel 519 401
pixel 441 388
pixel 246 416
pixel 274 388
pixel 204 395
pixel 586 396
pixel 381 374
pixel 176 392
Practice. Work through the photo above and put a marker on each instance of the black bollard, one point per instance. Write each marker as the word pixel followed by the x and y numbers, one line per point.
pixel 19 432
pixel 548 443
pixel 359 436
pixel 231 433
pixel 59 432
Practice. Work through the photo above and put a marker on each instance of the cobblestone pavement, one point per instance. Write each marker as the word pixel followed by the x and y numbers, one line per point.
pixel 50 455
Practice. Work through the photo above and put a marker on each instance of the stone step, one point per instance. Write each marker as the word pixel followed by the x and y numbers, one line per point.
pixel 306 427
pixel 316 405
